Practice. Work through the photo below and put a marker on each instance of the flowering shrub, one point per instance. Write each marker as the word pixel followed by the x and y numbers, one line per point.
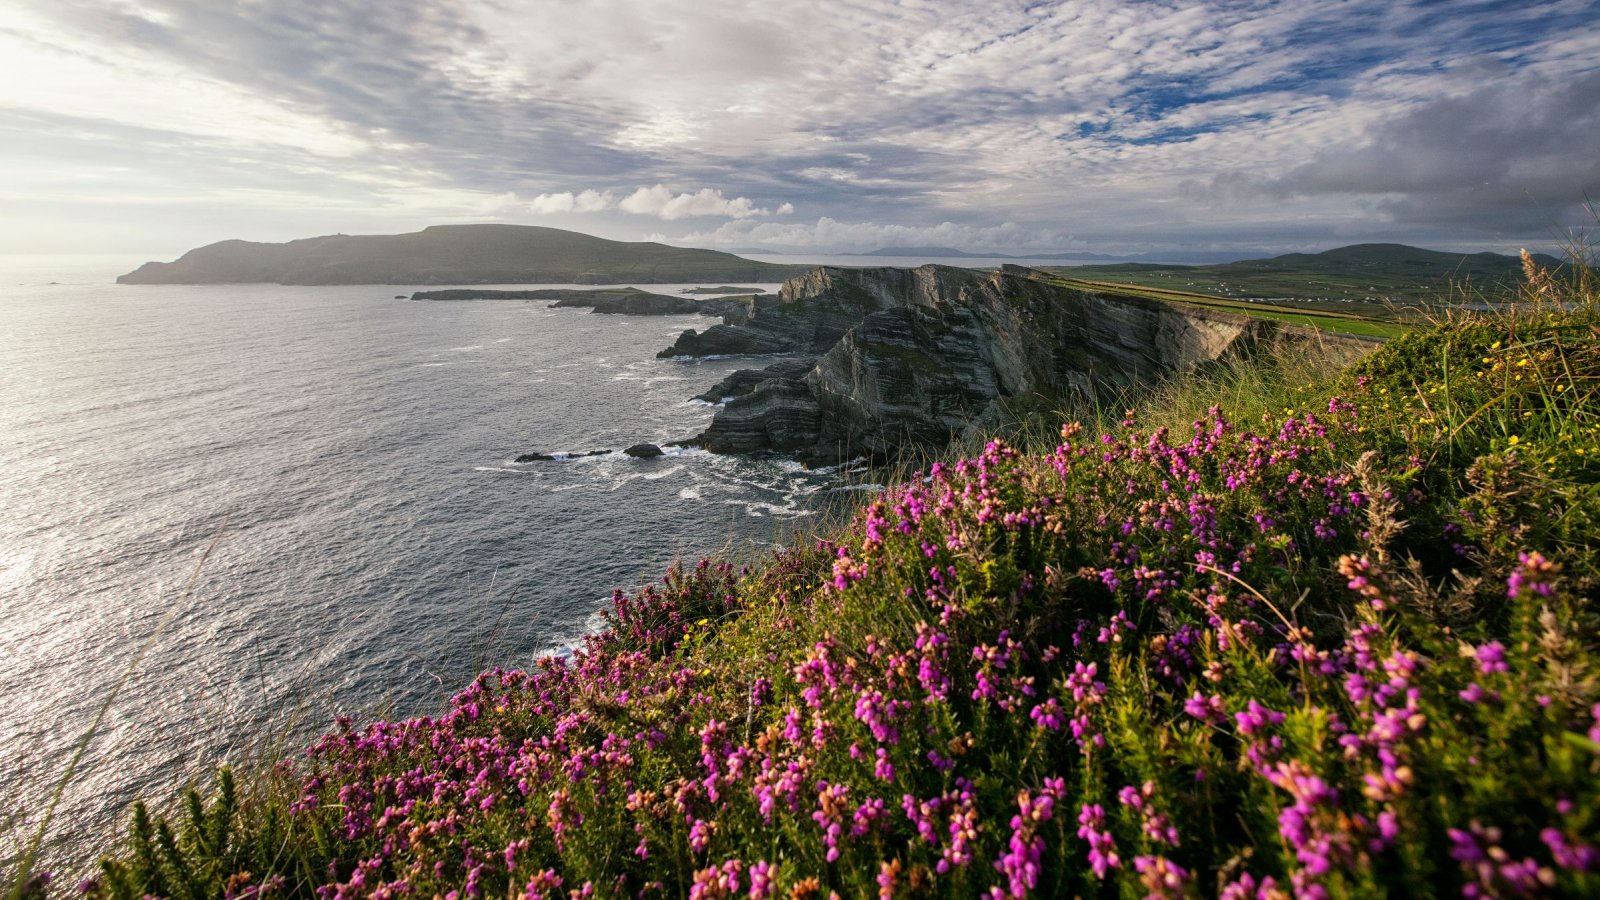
pixel 1343 651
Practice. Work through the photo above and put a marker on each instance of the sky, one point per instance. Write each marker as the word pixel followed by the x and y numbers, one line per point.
pixel 820 126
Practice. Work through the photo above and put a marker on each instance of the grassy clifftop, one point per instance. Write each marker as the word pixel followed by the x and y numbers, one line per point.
pixel 1363 278
pixel 1270 636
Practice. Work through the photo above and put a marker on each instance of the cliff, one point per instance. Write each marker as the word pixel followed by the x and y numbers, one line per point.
pixel 889 358
pixel 455 254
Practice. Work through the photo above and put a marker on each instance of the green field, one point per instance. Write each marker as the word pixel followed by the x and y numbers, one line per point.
pixel 1382 281
pixel 1343 322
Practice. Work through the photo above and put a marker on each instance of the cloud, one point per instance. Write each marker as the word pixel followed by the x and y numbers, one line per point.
pixel 1503 155
pixel 831 235
pixel 661 202
pixel 1119 121
pixel 566 202
pixel 658 201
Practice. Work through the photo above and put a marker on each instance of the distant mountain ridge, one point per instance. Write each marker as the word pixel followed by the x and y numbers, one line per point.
pixel 1401 256
pixel 1341 258
pixel 456 254
pixel 1374 276
pixel 1175 256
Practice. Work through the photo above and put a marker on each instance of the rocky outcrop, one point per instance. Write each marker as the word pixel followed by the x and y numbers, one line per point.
pixel 910 358
pixel 744 381
pixel 557 457
pixel 631 302
pixel 721 289
pixel 812 312
pixel 454 294
pixel 616 301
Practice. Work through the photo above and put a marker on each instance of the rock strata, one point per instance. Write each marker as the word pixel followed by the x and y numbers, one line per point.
pixel 744 381
pixel 896 359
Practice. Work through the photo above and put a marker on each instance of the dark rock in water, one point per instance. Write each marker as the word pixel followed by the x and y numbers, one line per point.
pixel 779 414
pixel 547 457
pixel 907 359
pixel 744 381
pixel 643 451
pixel 721 289
pixel 486 294
pixel 399 296
pixel 610 301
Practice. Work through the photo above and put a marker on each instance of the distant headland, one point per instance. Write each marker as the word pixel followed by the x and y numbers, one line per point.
pixel 456 254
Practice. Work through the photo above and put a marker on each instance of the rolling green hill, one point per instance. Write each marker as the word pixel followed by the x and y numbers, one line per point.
pixel 1368 277
pixel 455 254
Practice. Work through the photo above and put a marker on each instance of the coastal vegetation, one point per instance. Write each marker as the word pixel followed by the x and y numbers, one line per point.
pixel 1274 632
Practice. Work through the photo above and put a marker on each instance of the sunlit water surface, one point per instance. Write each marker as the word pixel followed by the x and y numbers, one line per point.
pixel 351 456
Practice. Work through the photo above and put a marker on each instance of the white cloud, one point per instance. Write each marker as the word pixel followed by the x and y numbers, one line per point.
pixel 49 72
pixel 661 202
pixel 567 202
pixel 1089 114
pixel 828 234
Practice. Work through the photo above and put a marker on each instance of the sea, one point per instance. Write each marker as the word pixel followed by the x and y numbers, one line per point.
pixel 230 513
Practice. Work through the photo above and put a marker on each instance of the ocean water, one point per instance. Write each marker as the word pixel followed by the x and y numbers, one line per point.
pixel 348 458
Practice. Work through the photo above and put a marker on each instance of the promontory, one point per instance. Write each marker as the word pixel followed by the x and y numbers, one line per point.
pixel 456 254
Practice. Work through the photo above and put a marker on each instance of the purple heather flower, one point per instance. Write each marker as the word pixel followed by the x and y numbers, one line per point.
pixel 1491 658
pixel 1256 718
pixel 1533 574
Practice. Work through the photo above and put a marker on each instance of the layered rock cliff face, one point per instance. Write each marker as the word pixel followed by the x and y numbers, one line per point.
pixel 888 359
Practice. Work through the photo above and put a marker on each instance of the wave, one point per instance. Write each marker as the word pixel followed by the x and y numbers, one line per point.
pixel 846 488
pixel 762 509
pixel 794 466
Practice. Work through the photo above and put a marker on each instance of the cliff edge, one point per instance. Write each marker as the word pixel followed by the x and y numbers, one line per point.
pixel 881 359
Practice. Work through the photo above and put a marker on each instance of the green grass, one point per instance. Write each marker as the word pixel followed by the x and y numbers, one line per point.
pixel 1372 279
pixel 1342 322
